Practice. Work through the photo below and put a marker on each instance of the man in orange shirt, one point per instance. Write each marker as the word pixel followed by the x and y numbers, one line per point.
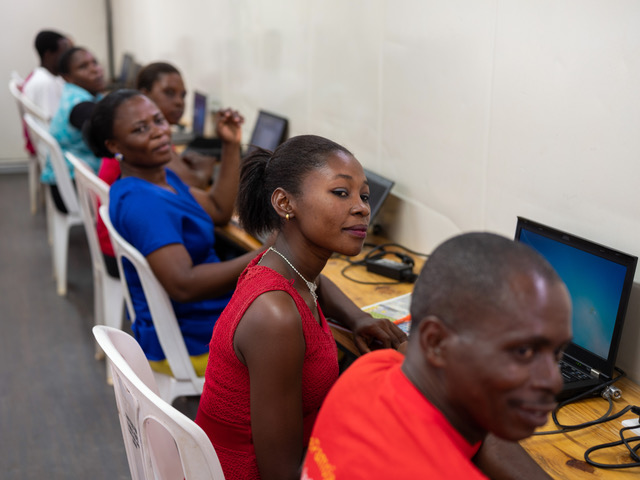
pixel 490 320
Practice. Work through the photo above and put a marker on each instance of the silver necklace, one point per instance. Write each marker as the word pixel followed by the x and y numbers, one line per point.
pixel 310 285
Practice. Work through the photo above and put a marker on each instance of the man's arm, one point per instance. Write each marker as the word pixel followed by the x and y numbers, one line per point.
pixel 503 460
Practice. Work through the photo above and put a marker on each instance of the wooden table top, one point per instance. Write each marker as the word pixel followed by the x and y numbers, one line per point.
pixel 562 455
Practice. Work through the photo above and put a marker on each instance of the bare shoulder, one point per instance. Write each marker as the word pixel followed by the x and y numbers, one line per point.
pixel 271 321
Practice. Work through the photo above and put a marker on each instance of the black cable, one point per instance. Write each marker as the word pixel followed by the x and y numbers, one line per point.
pixel 379 250
pixel 604 418
pixel 623 441
pixel 397 245
pixel 361 282
pixel 633 449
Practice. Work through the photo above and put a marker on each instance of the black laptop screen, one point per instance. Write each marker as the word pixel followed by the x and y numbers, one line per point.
pixel 379 189
pixel 599 281
pixel 269 132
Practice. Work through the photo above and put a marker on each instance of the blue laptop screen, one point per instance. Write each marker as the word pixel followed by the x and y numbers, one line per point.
pixel 595 285
pixel 199 113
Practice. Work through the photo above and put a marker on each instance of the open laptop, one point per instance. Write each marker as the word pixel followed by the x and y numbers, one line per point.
pixel 599 280
pixel 184 136
pixel 195 139
pixel 379 189
pixel 269 131
pixel 128 72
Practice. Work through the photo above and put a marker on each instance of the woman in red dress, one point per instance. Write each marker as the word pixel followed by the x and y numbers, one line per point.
pixel 272 357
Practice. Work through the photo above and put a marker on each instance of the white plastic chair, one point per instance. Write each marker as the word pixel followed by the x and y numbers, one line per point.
pixel 108 299
pixel 59 223
pixel 17 77
pixel 161 442
pixel 27 106
pixel 185 381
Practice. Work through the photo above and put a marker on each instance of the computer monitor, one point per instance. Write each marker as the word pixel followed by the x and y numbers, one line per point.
pixel 599 280
pixel 269 131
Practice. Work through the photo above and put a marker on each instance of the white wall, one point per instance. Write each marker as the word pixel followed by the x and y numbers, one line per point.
pixel 480 110
pixel 84 21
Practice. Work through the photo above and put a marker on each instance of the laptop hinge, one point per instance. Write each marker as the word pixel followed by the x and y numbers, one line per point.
pixel 595 373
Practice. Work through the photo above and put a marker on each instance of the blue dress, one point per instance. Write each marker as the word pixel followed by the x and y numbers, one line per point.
pixel 150 217
pixel 68 136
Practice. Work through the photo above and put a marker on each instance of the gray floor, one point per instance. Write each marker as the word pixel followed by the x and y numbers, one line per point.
pixel 58 416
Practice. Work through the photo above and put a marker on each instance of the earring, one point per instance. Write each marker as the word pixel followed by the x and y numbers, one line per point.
pixel 118 157
pixel 288 217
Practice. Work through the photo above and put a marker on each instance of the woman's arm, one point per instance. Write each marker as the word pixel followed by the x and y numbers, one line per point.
pixel 194 173
pixel 185 282
pixel 270 342
pixel 220 199
pixel 368 331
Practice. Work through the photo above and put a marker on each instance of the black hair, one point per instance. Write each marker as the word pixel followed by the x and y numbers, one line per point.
pixel 470 272
pixel 64 63
pixel 150 73
pixel 99 128
pixel 286 167
pixel 47 41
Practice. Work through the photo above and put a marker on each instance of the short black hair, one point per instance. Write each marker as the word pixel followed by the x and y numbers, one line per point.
pixel 47 41
pixel 99 128
pixel 150 74
pixel 263 171
pixel 472 271
pixel 64 63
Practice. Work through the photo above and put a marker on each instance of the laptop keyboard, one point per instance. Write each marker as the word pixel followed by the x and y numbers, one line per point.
pixel 571 373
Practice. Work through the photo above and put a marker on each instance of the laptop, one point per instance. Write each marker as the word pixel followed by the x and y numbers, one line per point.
pixel 379 189
pixel 128 72
pixel 269 131
pixel 195 139
pixel 599 280
pixel 184 136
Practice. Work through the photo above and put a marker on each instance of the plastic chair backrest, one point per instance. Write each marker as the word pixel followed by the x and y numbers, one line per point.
pixel 25 105
pixel 34 110
pixel 17 95
pixel 47 144
pixel 108 296
pixel 161 442
pixel 92 191
pixel 162 314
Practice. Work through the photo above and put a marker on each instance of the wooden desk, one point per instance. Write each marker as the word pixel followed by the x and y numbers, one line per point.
pixel 234 233
pixel 562 455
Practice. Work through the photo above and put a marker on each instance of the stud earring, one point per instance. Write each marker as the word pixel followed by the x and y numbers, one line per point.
pixel 288 217
pixel 118 157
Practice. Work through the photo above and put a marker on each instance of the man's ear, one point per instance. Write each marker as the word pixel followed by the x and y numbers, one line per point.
pixel 281 201
pixel 433 337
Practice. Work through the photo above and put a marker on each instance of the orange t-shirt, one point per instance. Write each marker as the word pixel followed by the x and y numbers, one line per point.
pixel 375 424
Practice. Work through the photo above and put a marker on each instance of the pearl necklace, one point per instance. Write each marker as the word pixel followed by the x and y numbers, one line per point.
pixel 310 285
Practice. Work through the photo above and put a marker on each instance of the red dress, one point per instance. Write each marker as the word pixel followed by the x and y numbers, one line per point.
pixel 224 412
